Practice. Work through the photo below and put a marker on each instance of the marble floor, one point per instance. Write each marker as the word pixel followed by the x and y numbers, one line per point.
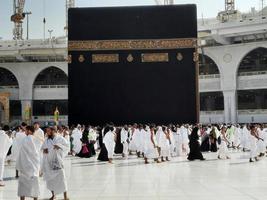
pixel 234 179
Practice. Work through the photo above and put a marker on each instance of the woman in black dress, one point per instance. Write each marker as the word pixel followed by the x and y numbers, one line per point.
pixel 85 151
pixel 213 140
pixel 103 155
pixel 119 145
pixel 194 146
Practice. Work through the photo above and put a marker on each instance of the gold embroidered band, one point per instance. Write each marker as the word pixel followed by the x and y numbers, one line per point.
pixel 98 45
pixel 155 57
pixel 105 58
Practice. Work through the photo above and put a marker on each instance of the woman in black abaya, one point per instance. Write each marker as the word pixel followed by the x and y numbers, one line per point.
pixel 119 145
pixel 213 140
pixel 85 151
pixel 194 146
pixel 103 155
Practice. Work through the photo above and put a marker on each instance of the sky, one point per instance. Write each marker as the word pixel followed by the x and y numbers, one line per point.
pixel 55 14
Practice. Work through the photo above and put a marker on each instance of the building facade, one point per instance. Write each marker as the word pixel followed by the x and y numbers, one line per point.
pixel 232 73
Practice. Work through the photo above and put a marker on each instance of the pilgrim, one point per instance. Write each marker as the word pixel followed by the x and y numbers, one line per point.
pixel 55 148
pixel 194 146
pixel 76 140
pixel 125 141
pixel 28 165
pixel 223 150
pixel 5 144
pixel 109 141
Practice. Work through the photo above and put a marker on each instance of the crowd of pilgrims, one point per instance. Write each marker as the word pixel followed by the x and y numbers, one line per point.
pixel 40 152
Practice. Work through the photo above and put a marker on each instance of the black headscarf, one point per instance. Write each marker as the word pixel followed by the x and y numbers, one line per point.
pixel 194 134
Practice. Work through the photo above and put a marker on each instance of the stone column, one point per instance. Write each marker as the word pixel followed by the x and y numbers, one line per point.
pixel 230 106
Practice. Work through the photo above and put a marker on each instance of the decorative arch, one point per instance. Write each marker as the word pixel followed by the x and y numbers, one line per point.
pixel 7 78
pixel 253 60
pixel 51 76
pixel 207 66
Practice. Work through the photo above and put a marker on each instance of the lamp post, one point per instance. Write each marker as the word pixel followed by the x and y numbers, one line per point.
pixel 27 17
pixel 50 35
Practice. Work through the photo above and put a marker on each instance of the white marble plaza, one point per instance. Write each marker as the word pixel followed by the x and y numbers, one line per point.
pixel 234 179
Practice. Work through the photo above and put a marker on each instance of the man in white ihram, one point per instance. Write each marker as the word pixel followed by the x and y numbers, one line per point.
pixel 76 136
pixel 38 136
pixel 5 143
pixel 55 148
pixel 28 165
pixel 125 141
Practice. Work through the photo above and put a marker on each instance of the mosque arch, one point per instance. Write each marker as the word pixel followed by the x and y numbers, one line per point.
pixel 207 66
pixel 7 78
pixel 51 76
pixel 254 61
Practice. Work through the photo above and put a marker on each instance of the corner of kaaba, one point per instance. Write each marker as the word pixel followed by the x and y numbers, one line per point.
pixel 133 65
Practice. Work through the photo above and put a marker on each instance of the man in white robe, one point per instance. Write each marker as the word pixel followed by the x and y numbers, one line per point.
pixel 125 141
pixel 5 143
pixel 133 139
pixel 261 143
pixel 245 138
pixel 171 132
pixel 237 136
pixel 76 142
pixel 139 137
pixel 92 136
pixel 28 165
pixel 253 138
pixel 142 134
pixel 178 142
pixel 38 135
pixel 55 148
pixel 163 143
pixel 109 141
pixel 185 139
pixel 39 138
pixel 19 137
pixel 150 148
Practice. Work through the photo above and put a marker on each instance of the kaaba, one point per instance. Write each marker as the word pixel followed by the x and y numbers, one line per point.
pixel 133 65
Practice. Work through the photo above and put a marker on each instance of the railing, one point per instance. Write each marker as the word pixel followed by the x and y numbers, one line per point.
pixel 45 58
pixel 252 111
pixel 213 112
pixel 209 76
pixel 48 117
pixel 252 73
pixel 9 87
pixel 4 44
pixel 240 112
pixel 50 86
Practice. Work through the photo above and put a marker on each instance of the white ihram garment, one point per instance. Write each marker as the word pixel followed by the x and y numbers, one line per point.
pixel 53 164
pixel 163 143
pixel 124 141
pixel 109 141
pixel 28 165
pixel 5 143
pixel 150 151
pixel 19 136
pixel 76 142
